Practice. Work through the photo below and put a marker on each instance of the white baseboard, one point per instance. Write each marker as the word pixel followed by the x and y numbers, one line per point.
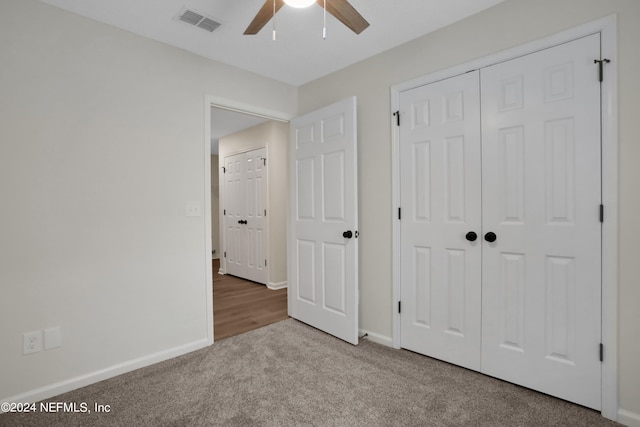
pixel 55 389
pixel 377 338
pixel 628 418
pixel 276 286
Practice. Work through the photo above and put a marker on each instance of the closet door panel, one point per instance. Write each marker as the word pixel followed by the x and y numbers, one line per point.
pixel 541 196
pixel 440 190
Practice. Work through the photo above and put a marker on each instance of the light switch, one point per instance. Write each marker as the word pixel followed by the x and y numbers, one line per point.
pixel 194 208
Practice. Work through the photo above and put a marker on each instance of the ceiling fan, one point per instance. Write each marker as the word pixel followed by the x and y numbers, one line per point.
pixel 341 9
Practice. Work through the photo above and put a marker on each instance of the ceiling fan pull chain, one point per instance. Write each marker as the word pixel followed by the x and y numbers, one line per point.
pixel 274 20
pixel 324 28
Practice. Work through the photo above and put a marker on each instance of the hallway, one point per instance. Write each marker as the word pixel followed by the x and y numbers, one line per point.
pixel 240 306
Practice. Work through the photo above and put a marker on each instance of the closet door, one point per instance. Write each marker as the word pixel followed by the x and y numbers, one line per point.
pixel 440 226
pixel 245 215
pixel 255 219
pixel 235 176
pixel 522 302
pixel 541 197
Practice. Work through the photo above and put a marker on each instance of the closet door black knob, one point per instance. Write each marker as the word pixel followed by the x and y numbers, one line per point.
pixel 490 237
pixel 471 236
pixel 347 234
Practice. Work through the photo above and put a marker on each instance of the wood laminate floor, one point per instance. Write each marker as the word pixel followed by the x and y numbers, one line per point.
pixel 240 306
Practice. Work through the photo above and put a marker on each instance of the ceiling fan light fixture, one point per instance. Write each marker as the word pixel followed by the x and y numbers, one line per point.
pixel 300 3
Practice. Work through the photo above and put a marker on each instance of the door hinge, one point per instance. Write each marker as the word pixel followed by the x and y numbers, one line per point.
pixel 225 254
pixel 601 352
pixel 224 170
pixel 264 160
pixel 265 212
pixel 224 212
pixel 399 213
pixel 399 306
pixel 397 115
pixel 601 67
pixel 265 262
pixel 601 213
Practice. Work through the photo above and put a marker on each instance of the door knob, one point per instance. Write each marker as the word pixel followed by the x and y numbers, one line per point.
pixel 490 237
pixel 347 234
pixel 242 221
pixel 471 236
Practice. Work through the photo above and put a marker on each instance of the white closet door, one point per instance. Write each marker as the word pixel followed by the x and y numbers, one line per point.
pixel 256 212
pixel 535 209
pixel 245 215
pixel 235 175
pixel 323 220
pixel 541 197
pixel 441 195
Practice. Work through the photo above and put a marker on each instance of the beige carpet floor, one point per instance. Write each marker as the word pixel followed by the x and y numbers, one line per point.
pixel 289 374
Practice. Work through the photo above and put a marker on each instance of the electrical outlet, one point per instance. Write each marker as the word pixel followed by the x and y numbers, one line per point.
pixel 32 342
pixel 52 338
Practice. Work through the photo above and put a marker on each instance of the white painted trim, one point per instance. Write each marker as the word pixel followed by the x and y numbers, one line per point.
pixel 377 338
pixel 208 246
pixel 628 418
pixel 607 27
pixel 609 46
pixel 103 374
pixel 279 285
pixel 248 150
pixel 395 229
pixel 241 107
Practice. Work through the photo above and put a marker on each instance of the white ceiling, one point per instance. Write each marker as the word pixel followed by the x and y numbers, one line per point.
pixel 226 122
pixel 299 54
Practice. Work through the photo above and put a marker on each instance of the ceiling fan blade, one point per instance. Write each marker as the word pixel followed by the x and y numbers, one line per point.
pixel 346 14
pixel 264 15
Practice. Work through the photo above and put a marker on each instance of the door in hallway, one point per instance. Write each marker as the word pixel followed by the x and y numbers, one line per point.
pixel 245 212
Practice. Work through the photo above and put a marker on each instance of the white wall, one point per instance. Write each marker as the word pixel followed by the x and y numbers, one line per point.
pixel 509 24
pixel 274 136
pixel 102 144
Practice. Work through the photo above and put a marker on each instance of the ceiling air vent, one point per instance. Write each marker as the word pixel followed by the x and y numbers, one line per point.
pixel 198 19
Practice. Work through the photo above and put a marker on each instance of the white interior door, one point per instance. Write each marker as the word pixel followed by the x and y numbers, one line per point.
pixel 539 238
pixel 541 198
pixel 323 220
pixel 234 210
pixel 441 195
pixel 245 215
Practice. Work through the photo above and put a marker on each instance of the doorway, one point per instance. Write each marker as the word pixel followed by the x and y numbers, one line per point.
pixel 242 305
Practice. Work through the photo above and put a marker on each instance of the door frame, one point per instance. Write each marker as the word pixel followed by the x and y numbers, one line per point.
pixel 211 101
pixel 607 27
